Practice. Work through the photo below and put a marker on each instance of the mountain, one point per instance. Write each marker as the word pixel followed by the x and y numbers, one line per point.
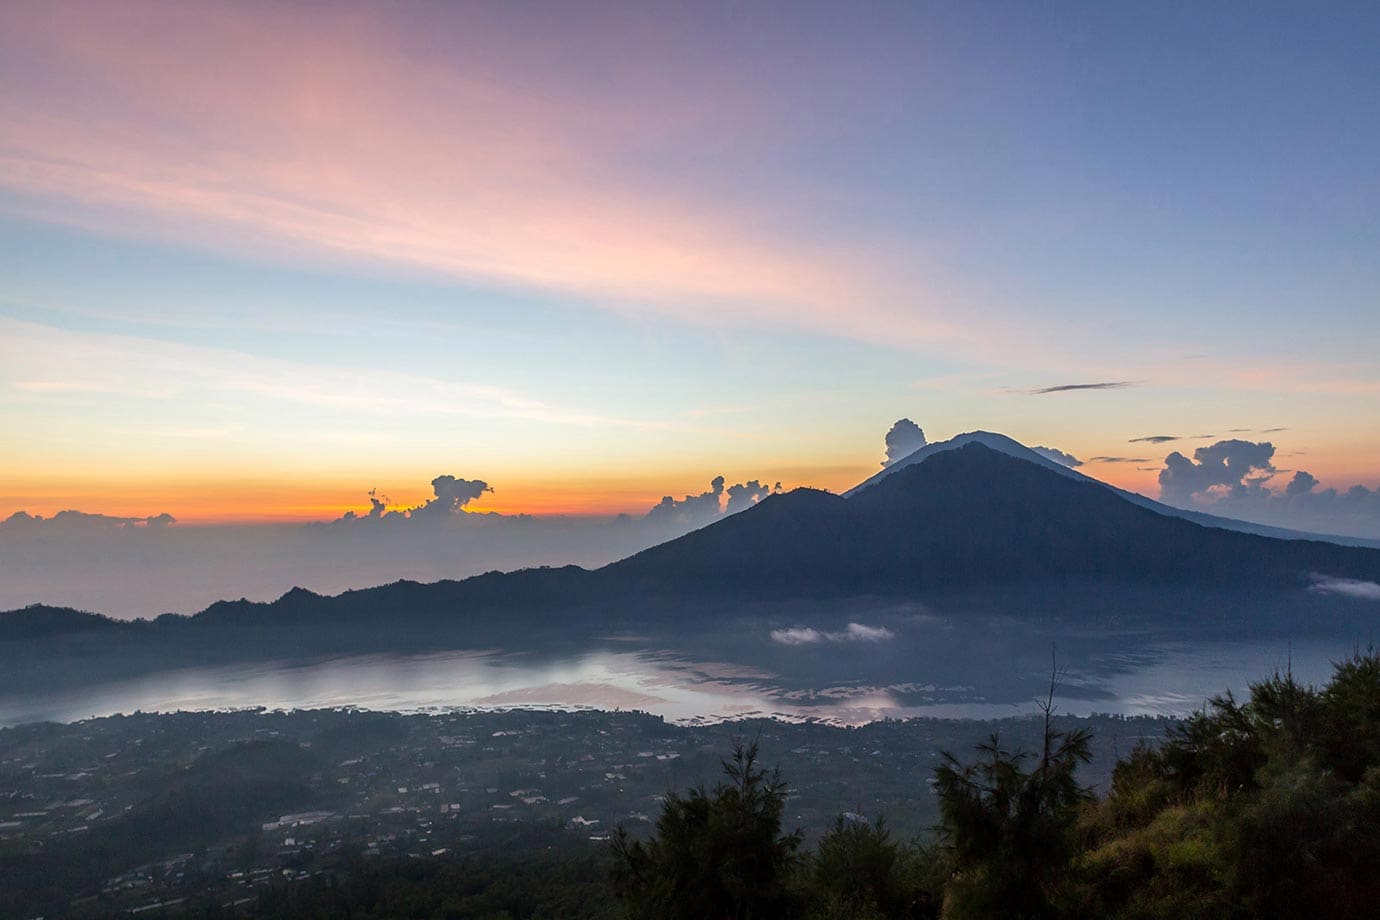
pixel 1012 448
pixel 979 513
pixel 968 515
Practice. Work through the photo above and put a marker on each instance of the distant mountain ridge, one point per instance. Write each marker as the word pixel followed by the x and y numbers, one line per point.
pixel 974 513
pixel 40 620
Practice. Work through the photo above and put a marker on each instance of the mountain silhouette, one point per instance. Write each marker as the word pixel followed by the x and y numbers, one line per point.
pixel 971 516
pixel 977 513
pixel 1013 448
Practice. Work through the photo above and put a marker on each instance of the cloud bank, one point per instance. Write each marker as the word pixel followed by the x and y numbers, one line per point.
pixel 1238 478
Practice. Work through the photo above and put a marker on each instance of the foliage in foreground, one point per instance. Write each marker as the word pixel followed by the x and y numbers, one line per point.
pixel 1264 808
pixel 1268 808
pixel 719 853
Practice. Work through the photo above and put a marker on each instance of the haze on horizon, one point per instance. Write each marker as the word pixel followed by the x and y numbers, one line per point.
pixel 259 259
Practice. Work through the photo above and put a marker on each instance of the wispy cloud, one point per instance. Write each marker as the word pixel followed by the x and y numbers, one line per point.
pixel 45 362
pixel 1154 439
pixel 1075 387
pixel 331 144
pixel 1119 460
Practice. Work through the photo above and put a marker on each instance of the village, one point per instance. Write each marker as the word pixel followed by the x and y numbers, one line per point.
pixel 142 812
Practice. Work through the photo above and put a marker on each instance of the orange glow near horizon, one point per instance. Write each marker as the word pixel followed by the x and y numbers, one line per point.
pixel 286 500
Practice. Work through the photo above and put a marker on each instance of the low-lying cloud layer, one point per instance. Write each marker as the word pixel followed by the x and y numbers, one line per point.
pixel 807 635
pixel 1347 587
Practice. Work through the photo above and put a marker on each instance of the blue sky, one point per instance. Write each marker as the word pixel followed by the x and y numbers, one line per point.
pixel 256 259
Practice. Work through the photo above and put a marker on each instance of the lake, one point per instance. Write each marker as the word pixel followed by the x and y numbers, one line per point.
pixel 839 681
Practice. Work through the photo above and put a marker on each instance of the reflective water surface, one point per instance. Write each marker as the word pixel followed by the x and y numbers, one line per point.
pixel 850 685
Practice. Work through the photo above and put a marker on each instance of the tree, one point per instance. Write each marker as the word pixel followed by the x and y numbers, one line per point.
pixel 859 872
pixel 1008 831
pixel 715 855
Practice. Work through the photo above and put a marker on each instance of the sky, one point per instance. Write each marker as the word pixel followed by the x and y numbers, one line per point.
pixel 259 259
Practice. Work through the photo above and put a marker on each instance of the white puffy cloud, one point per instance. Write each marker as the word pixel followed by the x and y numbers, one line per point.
pixel 904 439
pixel 742 496
pixel 693 510
pixel 708 506
pixel 450 496
pixel 1235 466
pixel 1234 478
